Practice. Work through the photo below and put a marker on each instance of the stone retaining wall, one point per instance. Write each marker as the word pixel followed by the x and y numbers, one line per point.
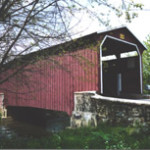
pixel 3 111
pixel 92 109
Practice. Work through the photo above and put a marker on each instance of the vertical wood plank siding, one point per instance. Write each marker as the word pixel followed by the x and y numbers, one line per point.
pixel 53 81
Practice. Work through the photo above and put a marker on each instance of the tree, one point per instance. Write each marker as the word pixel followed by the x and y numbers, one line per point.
pixel 146 63
pixel 28 25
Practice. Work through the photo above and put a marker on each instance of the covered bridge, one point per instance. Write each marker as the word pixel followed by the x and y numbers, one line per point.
pixel 108 62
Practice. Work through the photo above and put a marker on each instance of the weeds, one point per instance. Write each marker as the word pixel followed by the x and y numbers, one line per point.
pixel 103 137
pixel 0 115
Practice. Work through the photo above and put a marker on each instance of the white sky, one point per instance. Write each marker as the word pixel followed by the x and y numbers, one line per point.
pixel 140 26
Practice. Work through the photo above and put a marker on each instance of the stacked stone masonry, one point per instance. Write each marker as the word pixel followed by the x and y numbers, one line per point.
pixel 92 110
pixel 3 111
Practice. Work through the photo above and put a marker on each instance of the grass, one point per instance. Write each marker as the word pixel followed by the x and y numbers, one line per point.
pixel 102 137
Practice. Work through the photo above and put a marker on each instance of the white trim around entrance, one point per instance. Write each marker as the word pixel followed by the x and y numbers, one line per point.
pixel 101 65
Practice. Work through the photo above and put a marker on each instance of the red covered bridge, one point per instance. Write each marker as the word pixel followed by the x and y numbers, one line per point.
pixel 100 62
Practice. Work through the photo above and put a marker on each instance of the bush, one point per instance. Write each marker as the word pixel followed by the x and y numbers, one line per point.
pixel 103 137
pixel 0 115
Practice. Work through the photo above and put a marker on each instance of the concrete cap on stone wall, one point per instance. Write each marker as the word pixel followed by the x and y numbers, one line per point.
pixel 86 92
pixel 122 100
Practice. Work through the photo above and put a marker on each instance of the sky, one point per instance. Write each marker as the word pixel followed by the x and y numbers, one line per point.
pixel 139 26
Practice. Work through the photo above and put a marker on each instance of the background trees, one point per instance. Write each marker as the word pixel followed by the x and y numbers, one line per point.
pixel 146 63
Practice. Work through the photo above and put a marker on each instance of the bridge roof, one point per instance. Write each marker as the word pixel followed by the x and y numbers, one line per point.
pixel 82 43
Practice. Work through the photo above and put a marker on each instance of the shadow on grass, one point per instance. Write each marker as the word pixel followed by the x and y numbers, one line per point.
pixel 102 137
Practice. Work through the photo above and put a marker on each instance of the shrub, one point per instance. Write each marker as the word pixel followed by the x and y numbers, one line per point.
pixel 103 137
pixel 0 115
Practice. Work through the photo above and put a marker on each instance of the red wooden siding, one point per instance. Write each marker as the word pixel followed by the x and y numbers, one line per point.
pixel 53 81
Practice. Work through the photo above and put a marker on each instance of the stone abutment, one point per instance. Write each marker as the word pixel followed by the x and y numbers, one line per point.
pixel 91 109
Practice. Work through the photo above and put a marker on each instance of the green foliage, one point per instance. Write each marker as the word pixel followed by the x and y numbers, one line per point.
pixel 103 137
pixel 146 63
pixel 0 115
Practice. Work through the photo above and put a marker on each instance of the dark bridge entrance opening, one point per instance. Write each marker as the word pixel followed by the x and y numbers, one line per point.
pixel 120 67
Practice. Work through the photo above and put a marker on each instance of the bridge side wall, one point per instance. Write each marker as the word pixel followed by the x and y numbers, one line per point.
pixel 50 83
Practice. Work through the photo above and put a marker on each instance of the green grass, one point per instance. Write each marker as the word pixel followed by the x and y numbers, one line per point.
pixel 102 137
